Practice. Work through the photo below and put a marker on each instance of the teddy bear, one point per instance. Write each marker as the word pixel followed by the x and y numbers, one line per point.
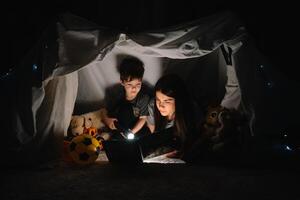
pixel 212 124
pixel 222 129
pixel 89 123
pixel 76 126
pixel 221 135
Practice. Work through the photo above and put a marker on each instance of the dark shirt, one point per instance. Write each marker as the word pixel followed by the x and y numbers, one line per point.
pixel 127 112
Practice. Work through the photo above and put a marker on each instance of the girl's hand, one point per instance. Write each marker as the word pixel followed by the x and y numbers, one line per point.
pixel 173 154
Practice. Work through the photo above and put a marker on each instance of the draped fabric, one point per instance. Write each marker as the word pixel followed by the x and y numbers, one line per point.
pixel 70 72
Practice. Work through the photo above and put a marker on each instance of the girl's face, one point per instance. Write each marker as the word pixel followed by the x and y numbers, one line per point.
pixel 165 105
pixel 132 88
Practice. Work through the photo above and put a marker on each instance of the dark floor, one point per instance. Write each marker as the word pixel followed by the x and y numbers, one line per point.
pixel 102 180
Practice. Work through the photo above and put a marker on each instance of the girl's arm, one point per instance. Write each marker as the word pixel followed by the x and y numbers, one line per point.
pixel 151 127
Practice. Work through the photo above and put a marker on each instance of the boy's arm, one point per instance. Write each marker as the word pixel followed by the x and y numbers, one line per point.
pixel 139 124
pixel 108 121
pixel 112 97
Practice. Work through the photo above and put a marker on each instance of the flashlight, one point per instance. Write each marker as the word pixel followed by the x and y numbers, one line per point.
pixel 129 134
pixel 126 133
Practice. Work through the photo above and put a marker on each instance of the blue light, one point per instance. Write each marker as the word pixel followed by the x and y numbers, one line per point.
pixel 7 75
pixel 288 148
pixel 270 84
pixel 34 67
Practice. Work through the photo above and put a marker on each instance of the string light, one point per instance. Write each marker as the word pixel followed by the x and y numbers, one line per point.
pixel 6 75
pixel 269 83
pixel 288 148
pixel 34 67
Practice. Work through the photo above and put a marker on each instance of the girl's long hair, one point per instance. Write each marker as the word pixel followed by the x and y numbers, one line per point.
pixel 173 86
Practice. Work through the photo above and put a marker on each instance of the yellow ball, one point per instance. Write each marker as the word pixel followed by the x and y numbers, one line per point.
pixel 84 149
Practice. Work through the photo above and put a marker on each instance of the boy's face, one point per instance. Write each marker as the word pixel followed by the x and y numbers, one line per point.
pixel 132 87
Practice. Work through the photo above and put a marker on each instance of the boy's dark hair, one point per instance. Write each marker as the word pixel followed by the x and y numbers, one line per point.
pixel 131 68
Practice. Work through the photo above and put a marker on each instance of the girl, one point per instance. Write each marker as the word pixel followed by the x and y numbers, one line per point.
pixel 172 116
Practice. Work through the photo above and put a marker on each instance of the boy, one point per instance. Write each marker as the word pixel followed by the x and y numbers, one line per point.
pixel 126 105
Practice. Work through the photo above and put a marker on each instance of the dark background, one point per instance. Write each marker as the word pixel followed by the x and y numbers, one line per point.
pixel 272 25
